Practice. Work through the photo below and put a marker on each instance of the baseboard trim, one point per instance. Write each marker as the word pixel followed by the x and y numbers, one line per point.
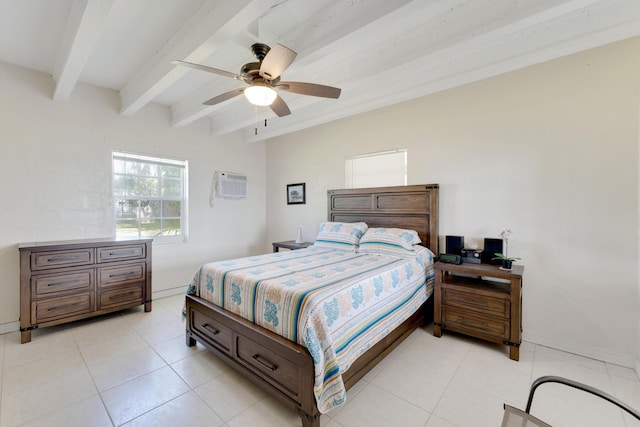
pixel 582 350
pixel 168 292
pixel 5 328
pixel 9 327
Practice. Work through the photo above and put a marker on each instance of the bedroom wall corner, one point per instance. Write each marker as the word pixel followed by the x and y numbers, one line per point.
pixel 55 179
pixel 550 151
pixel 637 355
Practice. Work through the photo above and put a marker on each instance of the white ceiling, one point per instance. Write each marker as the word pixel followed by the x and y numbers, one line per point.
pixel 379 52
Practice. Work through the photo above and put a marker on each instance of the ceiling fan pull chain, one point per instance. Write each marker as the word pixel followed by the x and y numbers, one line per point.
pixel 256 128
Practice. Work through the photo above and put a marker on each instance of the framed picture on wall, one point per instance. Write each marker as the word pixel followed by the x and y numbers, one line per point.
pixel 295 194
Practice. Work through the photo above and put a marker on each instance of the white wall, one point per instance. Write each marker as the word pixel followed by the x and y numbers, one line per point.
pixel 550 151
pixel 55 179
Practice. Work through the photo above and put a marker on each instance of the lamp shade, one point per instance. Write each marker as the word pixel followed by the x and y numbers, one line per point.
pixel 261 95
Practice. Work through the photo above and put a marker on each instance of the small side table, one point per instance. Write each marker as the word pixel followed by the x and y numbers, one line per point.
pixel 468 301
pixel 290 244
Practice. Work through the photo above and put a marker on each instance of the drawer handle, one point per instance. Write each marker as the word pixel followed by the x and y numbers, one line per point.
pixel 473 323
pixel 119 275
pixel 475 303
pixel 210 329
pixel 64 258
pixel 121 296
pixel 264 362
pixel 122 253
pixel 66 282
pixel 64 307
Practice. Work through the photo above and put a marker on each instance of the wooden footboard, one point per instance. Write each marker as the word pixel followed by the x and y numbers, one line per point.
pixel 281 367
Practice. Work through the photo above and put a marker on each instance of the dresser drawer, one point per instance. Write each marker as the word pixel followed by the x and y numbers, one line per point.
pixel 58 259
pixel 118 253
pixel 119 274
pixel 487 325
pixel 268 364
pixel 54 308
pixel 476 302
pixel 123 296
pixel 212 331
pixel 47 284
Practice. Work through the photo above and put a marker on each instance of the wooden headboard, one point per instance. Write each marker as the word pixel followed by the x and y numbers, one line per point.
pixel 414 207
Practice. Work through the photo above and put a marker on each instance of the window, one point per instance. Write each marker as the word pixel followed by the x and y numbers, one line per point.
pixel 150 197
pixel 387 168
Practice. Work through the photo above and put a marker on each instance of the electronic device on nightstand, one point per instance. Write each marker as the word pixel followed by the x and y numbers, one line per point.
pixel 491 248
pixel 450 259
pixel 454 245
pixel 473 256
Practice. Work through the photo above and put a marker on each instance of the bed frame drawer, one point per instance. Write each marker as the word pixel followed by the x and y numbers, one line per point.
pixel 211 330
pixel 268 364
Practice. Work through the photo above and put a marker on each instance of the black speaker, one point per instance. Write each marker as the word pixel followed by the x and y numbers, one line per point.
pixel 454 245
pixel 491 248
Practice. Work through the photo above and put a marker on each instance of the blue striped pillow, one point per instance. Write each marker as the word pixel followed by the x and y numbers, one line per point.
pixel 340 235
pixel 392 241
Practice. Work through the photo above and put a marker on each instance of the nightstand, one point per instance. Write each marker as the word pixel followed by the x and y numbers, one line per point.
pixel 290 244
pixel 480 300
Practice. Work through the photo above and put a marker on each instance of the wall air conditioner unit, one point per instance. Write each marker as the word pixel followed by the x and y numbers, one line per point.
pixel 231 185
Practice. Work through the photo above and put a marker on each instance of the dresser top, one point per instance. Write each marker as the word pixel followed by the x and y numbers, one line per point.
pixel 101 241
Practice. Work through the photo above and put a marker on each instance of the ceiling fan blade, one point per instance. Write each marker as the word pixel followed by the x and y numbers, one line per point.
pixel 280 107
pixel 208 69
pixel 223 97
pixel 277 60
pixel 310 89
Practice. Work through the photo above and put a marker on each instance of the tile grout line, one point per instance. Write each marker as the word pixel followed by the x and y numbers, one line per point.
pixel 86 366
pixel 447 388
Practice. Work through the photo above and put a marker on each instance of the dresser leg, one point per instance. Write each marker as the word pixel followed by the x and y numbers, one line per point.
pixel 25 337
pixel 514 353
pixel 437 331
pixel 190 341
pixel 147 306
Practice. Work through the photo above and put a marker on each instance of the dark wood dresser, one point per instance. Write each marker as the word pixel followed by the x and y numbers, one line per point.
pixel 70 280
pixel 480 300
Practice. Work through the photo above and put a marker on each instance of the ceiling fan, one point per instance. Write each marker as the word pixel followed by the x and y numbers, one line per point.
pixel 263 78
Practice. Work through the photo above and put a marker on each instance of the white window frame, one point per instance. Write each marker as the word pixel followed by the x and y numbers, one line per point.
pixel 181 235
pixel 353 180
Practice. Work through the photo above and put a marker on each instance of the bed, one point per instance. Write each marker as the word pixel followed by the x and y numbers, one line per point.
pixel 282 366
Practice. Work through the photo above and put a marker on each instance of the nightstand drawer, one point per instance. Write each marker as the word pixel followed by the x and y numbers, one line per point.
pixel 476 302
pixel 486 325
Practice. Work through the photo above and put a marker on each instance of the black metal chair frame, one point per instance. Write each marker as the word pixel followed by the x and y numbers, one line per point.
pixel 579 386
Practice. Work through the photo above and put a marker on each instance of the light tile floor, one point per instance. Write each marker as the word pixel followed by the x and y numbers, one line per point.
pixel 134 369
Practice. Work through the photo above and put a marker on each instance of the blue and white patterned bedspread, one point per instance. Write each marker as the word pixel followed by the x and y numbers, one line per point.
pixel 335 303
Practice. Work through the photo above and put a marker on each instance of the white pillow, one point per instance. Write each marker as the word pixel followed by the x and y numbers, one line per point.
pixel 341 235
pixel 392 241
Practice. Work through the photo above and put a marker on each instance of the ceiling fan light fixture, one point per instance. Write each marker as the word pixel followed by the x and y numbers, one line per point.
pixel 261 95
